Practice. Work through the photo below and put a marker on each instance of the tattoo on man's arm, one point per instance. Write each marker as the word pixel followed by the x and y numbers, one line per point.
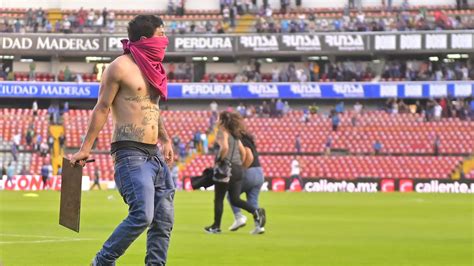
pixel 162 134
pixel 129 132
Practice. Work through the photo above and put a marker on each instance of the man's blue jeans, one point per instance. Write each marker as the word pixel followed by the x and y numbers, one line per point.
pixel 145 183
pixel 251 185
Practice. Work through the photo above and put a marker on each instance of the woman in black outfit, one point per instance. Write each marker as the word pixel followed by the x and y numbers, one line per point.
pixel 229 132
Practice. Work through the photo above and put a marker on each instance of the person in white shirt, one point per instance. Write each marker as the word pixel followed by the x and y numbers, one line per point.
pixel 438 110
pixel 35 108
pixel 214 107
pixel 358 107
pixel 295 172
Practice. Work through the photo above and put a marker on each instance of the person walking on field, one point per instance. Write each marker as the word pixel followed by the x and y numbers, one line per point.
pixel 131 88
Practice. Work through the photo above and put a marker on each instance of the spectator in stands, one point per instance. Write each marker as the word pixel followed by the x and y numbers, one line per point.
pixel 25 170
pixel 176 142
pixel 358 108
pixel 204 142
pixel 4 171
pixel 197 141
pixel 191 148
pixel 38 142
pixel 17 140
pixel 272 106
pixel 286 108
pixel 182 151
pixel 14 152
pixel 313 109
pixel 394 107
pixel 32 74
pixel 328 146
pixel 44 149
pixel 40 17
pixel 67 74
pixel 96 179
pixel 354 120
pixel 301 75
pixel 29 17
pixel 57 26
pixel 105 15
pixel 335 121
pixel 45 174
pixel 339 107
pixel 377 147
pixel 34 107
pixel 214 108
pixel 305 117
pixel 66 25
pixel 279 106
pixel 429 113
pixel 275 74
pixel 98 23
pixel 17 26
pixel 402 107
pixel 62 140
pixel 66 107
pixel 462 4
pixel 298 144
pixel 436 145
pixel 296 172
pixel 90 18
pixel 437 111
pixel 10 173
pixel 241 109
pixel 50 142
pixel 29 136
pixel 264 109
pixel 419 107
pixel 471 111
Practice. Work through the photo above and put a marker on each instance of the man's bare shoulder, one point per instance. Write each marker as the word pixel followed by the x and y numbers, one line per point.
pixel 121 65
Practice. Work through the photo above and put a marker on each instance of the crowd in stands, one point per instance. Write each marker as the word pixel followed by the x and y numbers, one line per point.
pixel 313 71
pixel 434 110
pixel 403 20
pixel 354 71
pixel 289 17
pixel 426 70
pixel 81 21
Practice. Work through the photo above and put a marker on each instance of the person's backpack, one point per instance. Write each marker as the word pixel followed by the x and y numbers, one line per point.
pixel 223 168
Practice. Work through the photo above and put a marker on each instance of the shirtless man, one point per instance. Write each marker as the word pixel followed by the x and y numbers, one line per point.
pixel 141 174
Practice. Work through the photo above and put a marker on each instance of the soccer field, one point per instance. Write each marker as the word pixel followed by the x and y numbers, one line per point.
pixel 302 229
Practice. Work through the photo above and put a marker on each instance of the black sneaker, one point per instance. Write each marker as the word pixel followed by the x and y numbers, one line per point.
pixel 212 230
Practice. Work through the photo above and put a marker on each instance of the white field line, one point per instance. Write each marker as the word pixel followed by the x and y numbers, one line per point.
pixel 49 239
pixel 45 241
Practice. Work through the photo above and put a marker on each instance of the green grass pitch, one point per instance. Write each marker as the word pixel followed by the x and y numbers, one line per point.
pixel 302 229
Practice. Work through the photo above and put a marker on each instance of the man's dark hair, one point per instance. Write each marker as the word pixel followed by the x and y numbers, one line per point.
pixel 143 25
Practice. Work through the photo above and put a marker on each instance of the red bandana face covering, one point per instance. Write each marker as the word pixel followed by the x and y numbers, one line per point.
pixel 148 55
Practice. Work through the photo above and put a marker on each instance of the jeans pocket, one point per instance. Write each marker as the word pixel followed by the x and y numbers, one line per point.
pixel 136 161
pixel 123 180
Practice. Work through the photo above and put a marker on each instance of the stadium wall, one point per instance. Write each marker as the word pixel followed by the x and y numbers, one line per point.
pixel 360 185
pixel 236 91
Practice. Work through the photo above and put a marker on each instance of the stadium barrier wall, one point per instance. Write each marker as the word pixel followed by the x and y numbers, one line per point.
pixel 35 183
pixel 323 43
pixel 363 185
pixel 307 90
